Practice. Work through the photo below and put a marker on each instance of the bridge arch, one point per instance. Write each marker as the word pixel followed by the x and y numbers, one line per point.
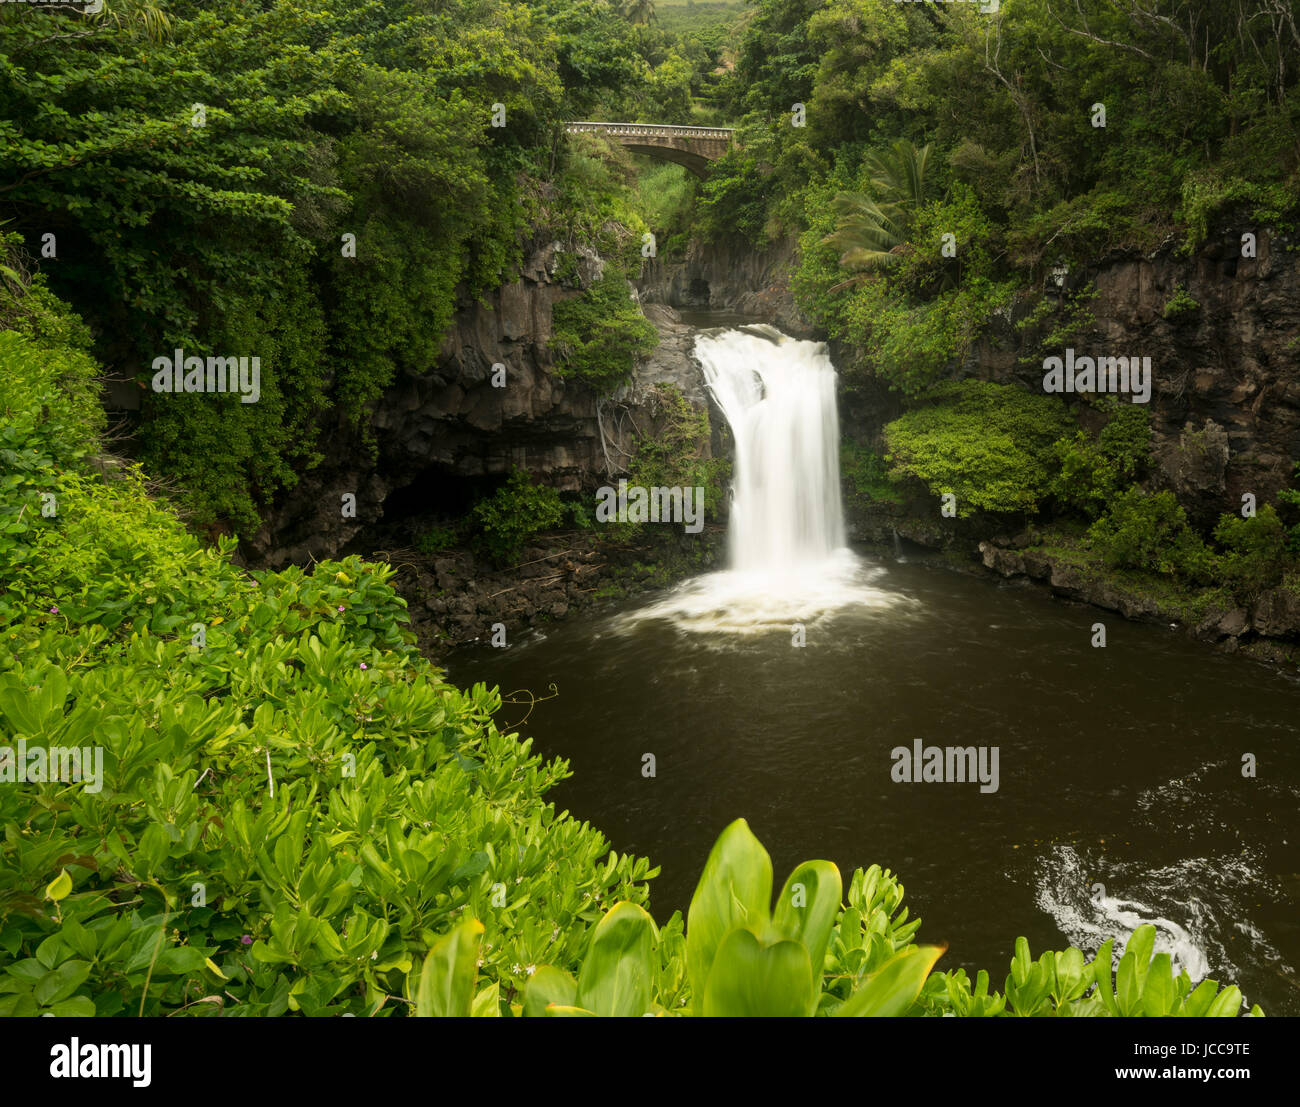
pixel 692 147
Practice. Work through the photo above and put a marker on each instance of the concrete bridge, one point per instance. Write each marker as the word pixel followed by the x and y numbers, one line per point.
pixel 693 147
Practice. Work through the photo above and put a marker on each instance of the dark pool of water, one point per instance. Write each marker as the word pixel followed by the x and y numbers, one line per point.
pixel 1119 766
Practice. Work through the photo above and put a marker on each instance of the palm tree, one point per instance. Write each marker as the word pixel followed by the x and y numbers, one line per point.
pixel 873 227
pixel 638 11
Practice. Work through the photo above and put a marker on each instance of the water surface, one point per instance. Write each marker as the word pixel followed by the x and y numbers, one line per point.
pixel 1119 766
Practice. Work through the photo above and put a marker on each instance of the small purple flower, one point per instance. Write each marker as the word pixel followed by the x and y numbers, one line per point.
pixel 54 610
pixel 340 609
pixel 363 665
pixel 246 939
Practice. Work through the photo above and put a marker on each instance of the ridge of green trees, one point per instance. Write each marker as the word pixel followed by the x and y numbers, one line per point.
pixel 200 163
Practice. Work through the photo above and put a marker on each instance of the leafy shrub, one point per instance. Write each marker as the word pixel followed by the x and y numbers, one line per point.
pixel 811 954
pixel 1067 985
pixel 599 335
pixel 733 199
pixel 988 444
pixel 1256 552
pixel 1149 532
pixel 1180 306
pixel 1290 498
pixel 292 803
pixel 867 472
pixel 1093 471
pixel 513 514
pixel 436 539
pixel 1213 190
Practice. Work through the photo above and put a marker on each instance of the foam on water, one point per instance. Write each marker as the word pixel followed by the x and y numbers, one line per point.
pixel 1190 902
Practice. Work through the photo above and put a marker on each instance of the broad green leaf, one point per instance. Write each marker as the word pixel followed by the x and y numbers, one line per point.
pixel 80 1007
pixel 1142 946
pixel 1128 993
pixel 487 1004
pixel 750 980
pixel 1198 1003
pixel 1158 995
pixel 891 990
pixel 618 970
pixel 60 983
pixel 59 887
pixel 806 909
pixel 1102 972
pixel 548 986
pixel 1226 1005
pixel 735 890
pixel 446 987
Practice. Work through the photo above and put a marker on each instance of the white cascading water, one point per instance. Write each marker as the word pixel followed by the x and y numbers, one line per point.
pixel 788 561
pixel 778 395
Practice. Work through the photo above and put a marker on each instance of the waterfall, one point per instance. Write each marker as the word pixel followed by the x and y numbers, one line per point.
pixel 778 395
pixel 788 563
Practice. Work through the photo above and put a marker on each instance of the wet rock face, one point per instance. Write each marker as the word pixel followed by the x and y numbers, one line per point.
pixel 730 276
pixel 439 429
pixel 1225 403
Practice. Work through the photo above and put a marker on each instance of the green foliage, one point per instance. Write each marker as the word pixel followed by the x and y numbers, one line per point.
pixel 873 225
pixel 1094 470
pixel 733 200
pixel 1180 306
pixel 599 336
pixel 515 512
pixel 1290 497
pixel 867 473
pixel 438 538
pixel 1055 323
pixel 1005 103
pixel 293 805
pixel 672 457
pixel 667 196
pixel 1256 554
pixel 744 958
pixel 1149 532
pixel 813 955
pixel 1067 985
pixel 225 234
pixel 990 445
pixel 340 880
pixel 1211 191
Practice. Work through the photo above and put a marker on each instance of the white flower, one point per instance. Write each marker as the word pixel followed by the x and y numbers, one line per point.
pixel 530 969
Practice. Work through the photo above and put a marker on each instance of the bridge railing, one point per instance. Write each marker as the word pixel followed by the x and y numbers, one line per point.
pixel 650 130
